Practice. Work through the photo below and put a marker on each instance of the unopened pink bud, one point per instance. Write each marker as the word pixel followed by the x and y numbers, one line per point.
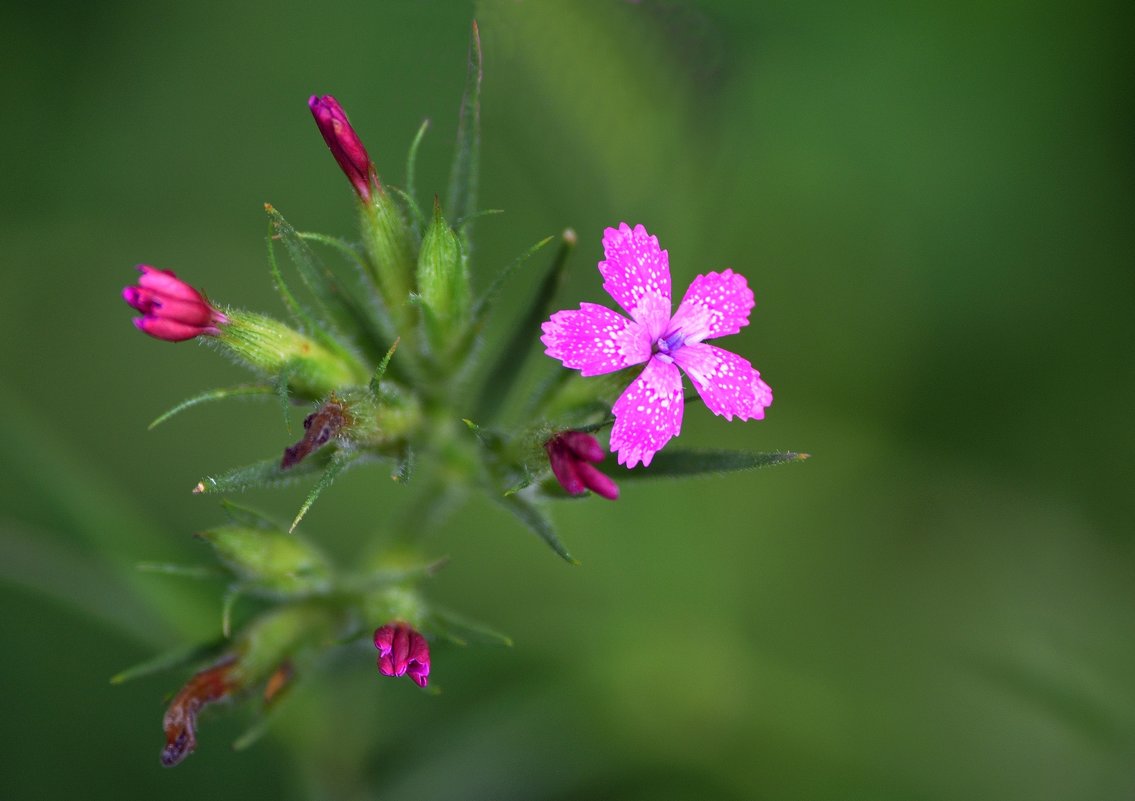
pixel 344 143
pixel 571 454
pixel 171 309
pixel 402 652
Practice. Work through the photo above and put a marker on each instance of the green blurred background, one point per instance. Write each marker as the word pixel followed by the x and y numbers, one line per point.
pixel 934 204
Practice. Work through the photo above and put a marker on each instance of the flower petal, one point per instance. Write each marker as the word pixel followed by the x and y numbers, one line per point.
pixel 725 381
pixel 715 305
pixel 763 397
pixel 648 413
pixel 595 339
pixel 636 273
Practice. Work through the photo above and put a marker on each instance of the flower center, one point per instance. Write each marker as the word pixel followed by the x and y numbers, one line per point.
pixel 668 344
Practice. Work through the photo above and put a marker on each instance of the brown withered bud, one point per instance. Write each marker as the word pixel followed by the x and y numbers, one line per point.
pixel 320 427
pixel 180 721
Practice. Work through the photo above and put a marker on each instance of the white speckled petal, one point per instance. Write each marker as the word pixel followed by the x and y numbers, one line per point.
pixel 725 381
pixel 595 339
pixel 636 273
pixel 715 305
pixel 648 413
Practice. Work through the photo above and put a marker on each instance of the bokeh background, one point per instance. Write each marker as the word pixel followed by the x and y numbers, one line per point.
pixel 934 203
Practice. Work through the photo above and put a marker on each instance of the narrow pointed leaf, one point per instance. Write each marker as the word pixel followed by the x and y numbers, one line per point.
pixel 240 391
pixel 380 371
pixel 538 522
pixel 232 595
pixel 414 211
pixel 525 335
pixel 247 516
pixel 266 473
pixel 176 657
pixel 462 196
pixel 338 463
pixel 199 572
pixel 463 631
pixel 681 464
pixel 405 469
pixel 338 310
pixel 411 169
pixel 484 305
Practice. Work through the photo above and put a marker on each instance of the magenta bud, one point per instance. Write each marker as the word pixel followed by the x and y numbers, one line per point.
pixel 344 143
pixel 171 309
pixel 402 652
pixel 571 454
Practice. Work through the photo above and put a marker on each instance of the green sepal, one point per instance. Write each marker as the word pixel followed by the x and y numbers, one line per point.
pixel 538 522
pixel 314 368
pixel 511 358
pixel 461 198
pixel 279 634
pixel 391 256
pixel 675 463
pixel 270 562
pixel 460 630
pixel 239 391
pixel 443 285
pixel 173 658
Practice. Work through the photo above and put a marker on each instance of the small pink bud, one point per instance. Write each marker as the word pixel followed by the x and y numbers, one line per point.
pixel 344 143
pixel 171 309
pixel 571 454
pixel 402 651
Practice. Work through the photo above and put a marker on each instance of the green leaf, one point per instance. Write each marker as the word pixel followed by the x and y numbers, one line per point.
pixel 266 473
pixel 240 391
pixel 339 462
pixel 232 595
pixel 538 522
pixel 461 198
pixel 680 464
pixel 173 658
pixel 462 631
pixel 525 335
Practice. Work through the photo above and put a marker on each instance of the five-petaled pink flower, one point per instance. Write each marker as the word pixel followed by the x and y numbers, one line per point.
pixel 171 309
pixel 401 652
pixel 596 340
pixel 571 453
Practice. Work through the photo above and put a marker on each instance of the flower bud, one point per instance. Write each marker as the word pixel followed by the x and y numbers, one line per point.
pixel 279 564
pixel 345 144
pixel 390 251
pixel 272 348
pixel 443 282
pixel 570 454
pixel 402 651
pixel 171 309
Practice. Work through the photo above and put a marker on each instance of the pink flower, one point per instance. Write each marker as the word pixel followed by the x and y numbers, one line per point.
pixel 344 143
pixel 171 309
pixel 402 651
pixel 571 453
pixel 596 340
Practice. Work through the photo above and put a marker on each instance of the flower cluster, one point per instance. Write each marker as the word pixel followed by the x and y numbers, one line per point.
pixel 387 354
